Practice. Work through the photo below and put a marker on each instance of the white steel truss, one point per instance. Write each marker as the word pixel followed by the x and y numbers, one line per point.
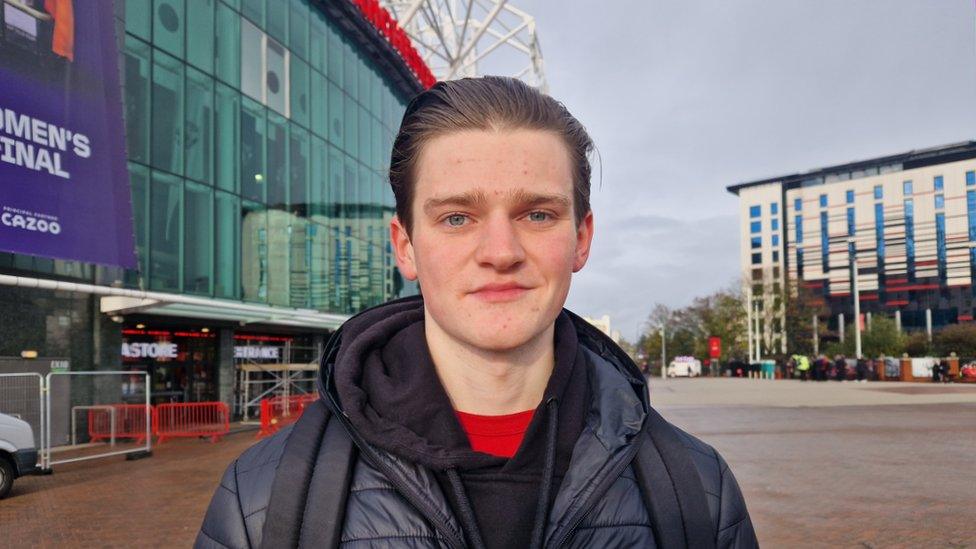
pixel 454 37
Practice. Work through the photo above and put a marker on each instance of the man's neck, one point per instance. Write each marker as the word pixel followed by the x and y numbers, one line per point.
pixel 492 383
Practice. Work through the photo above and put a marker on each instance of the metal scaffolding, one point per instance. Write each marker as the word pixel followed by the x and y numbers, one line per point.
pixel 454 36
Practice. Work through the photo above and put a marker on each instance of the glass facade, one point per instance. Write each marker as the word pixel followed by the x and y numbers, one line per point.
pixel 910 236
pixel 258 142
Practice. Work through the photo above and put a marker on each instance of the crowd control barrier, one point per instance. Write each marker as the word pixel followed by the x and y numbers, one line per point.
pixel 191 419
pixel 115 421
pixel 280 411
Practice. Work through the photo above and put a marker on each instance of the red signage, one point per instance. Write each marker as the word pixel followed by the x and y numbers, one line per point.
pixel 715 347
pixel 397 37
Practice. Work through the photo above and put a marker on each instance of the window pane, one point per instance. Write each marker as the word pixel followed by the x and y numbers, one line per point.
pixel 166 224
pixel 227 237
pixel 137 73
pixel 279 244
pixel 335 51
pixel 200 33
pixel 320 104
pixel 774 208
pixel 755 211
pixel 970 178
pixel 937 183
pixel 798 204
pixel 228 138
pixel 298 28
pixel 276 77
pixel 350 137
pixel 138 18
pixel 254 252
pixel 823 201
pixel 907 187
pixel 755 227
pixel 252 61
pixel 276 180
pixel 364 137
pixel 198 242
pixel 168 26
pixel 299 104
pixel 228 37
pixel 318 194
pixel 277 20
pixel 139 179
pixel 298 170
pixel 298 261
pixel 336 110
pixel 167 113
pixel 199 126
pixel 318 42
pixel 253 10
pixel 253 133
pixel 350 66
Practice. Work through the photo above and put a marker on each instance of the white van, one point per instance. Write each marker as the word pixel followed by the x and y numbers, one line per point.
pixel 18 456
pixel 685 366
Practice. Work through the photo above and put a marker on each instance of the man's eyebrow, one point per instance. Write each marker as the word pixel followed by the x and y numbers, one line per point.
pixel 519 197
pixel 465 200
pixel 528 199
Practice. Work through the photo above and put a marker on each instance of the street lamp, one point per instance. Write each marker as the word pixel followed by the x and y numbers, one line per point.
pixel 852 256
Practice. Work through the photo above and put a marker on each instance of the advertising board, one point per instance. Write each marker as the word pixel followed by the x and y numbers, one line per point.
pixel 64 186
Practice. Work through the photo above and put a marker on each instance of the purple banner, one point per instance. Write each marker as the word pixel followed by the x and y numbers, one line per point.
pixel 64 186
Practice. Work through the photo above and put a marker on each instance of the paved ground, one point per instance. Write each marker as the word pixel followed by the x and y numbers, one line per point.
pixel 829 464
pixel 841 464
pixel 111 502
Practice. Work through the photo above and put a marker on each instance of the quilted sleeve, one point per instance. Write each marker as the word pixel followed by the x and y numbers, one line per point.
pixel 735 527
pixel 223 525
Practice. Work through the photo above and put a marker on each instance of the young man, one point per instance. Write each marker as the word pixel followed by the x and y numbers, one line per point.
pixel 482 414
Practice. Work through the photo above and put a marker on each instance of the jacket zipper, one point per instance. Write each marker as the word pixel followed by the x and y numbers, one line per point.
pixel 599 492
pixel 429 512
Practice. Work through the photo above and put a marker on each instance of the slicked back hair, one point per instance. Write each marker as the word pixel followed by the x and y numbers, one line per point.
pixel 490 103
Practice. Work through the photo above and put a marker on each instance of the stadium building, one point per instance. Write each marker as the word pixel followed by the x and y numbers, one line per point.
pixel 257 137
pixel 904 225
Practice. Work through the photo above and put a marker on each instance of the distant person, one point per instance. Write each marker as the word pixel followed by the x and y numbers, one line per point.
pixel 840 368
pixel 861 370
pixel 803 367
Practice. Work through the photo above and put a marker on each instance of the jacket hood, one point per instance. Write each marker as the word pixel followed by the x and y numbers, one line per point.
pixel 378 373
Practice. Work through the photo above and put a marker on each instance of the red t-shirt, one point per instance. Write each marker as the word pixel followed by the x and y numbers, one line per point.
pixel 496 435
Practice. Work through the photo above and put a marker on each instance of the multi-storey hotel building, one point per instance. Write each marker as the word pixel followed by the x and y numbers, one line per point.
pixel 905 224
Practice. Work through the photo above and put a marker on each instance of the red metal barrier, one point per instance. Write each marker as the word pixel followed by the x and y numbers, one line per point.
pixel 130 422
pixel 191 419
pixel 279 411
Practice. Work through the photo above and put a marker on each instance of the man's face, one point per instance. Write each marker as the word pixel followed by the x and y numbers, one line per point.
pixel 494 242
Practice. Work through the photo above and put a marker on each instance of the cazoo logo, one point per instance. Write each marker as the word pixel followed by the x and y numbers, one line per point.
pixel 30 223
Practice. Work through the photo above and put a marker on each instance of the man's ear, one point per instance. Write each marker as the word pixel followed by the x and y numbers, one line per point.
pixel 402 249
pixel 584 236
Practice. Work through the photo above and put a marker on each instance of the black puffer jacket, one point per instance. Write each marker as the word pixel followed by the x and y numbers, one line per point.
pixel 394 502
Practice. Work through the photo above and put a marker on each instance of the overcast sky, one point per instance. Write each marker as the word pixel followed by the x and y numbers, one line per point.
pixel 685 97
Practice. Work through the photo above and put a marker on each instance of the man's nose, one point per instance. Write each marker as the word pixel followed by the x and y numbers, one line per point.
pixel 500 246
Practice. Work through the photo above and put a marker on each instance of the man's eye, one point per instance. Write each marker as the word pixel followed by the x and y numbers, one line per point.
pixel 538 216
pixel 456 220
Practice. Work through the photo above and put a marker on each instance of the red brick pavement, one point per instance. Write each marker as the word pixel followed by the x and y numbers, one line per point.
pixel 111 502
pixel 852 476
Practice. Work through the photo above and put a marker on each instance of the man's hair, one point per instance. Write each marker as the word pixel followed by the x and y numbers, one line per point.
pixel 487 103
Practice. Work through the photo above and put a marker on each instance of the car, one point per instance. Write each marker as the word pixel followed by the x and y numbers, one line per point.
pixel 685 366
pixel 18 455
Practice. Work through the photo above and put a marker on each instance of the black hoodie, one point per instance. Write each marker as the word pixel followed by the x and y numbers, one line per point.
pixel 390 391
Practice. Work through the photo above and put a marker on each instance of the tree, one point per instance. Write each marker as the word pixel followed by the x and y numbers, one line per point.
pixel 800 305
pixel 956 338
pixel 882 338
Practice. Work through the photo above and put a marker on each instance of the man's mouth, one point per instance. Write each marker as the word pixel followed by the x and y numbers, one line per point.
pixel 499 292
